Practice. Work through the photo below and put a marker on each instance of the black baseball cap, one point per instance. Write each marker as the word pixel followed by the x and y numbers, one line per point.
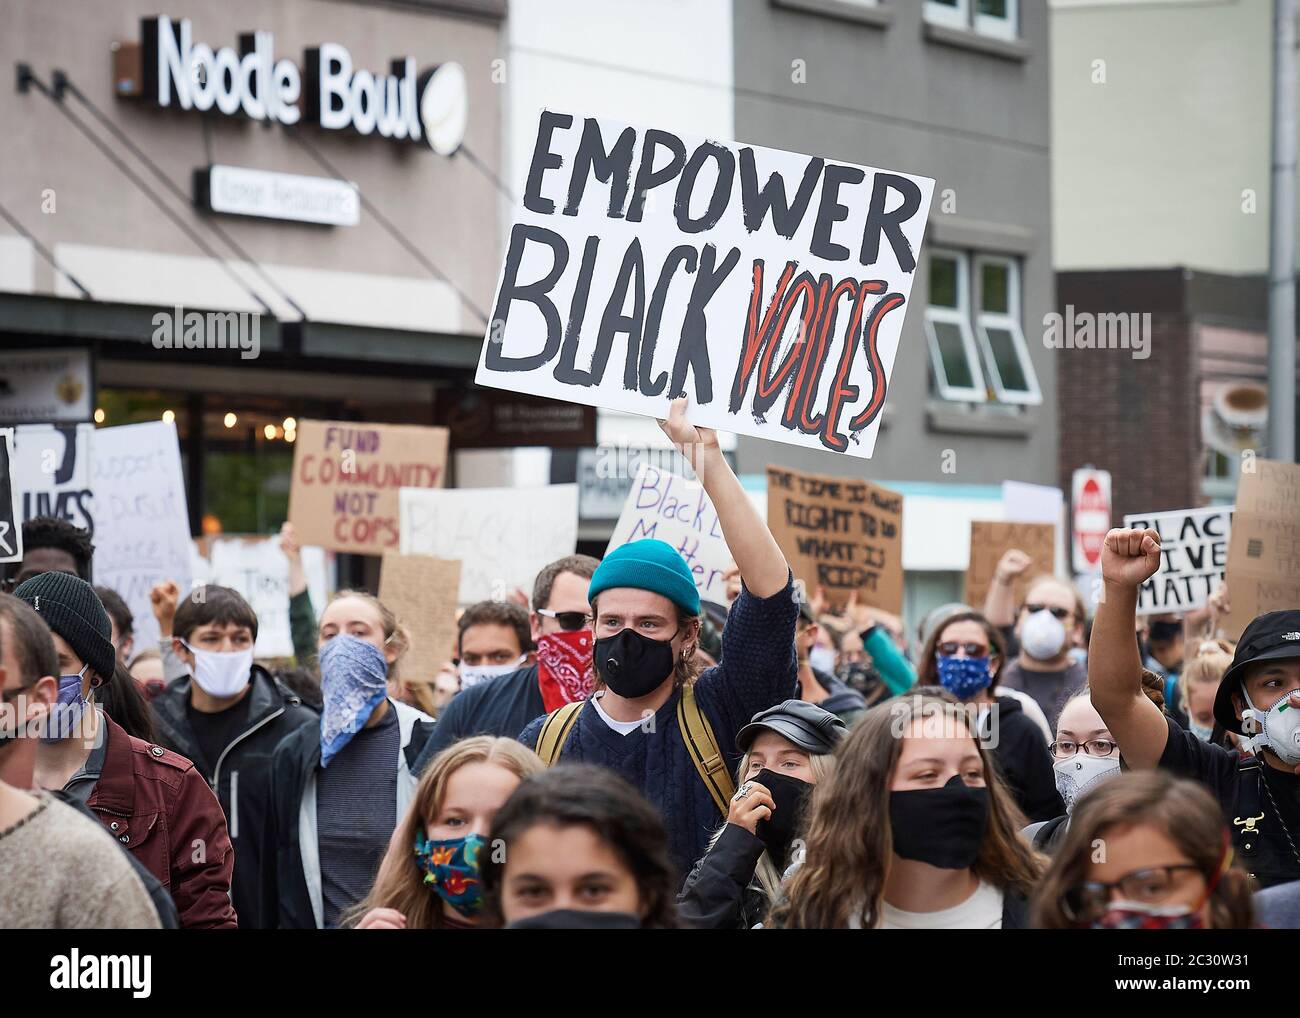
pixel 1269 637
pixel 806 725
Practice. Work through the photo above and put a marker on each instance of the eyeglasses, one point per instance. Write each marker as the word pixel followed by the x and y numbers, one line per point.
pixel 1062 748
pixel 1060 613
pixel 570 622
pixel 950 647
pixel 1148 886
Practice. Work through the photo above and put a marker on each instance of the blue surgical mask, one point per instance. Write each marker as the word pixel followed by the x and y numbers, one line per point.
pixel 66 715
pixel 963 677
pixel 353 682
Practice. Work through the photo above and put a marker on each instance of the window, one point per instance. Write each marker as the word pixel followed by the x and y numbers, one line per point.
pixel 977 346
pixel 1010 372
pixel 995 18
pixel 953 355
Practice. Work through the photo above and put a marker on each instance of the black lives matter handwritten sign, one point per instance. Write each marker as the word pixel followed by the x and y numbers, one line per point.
pixel 766 286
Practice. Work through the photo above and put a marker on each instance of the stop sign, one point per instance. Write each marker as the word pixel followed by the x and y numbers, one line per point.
pixel 1091 513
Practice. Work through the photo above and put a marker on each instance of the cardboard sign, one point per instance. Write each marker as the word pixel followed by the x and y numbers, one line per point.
pixel 1264 549
pixel 422 592
pixel 259 570
pixel 142 522
pixel 768 287
pixel 989 539
pixel 673 509
pixel 1193 557
pixel 11 524
pixel 841 534
pixel 346 476
pixel 501 536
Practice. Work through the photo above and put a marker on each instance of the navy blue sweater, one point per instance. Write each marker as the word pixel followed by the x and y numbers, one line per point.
pixel 757 671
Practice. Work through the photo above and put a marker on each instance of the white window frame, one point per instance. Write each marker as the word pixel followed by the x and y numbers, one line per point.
pixel 961 317
pixel 999 28
pixel 1010 321
pixel 949 17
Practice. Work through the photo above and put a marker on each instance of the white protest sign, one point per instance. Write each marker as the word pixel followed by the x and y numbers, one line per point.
pixel 769 287
pixel 11 522
pixel 142 523
pixel 1193 557
pixel 501 536
pixel 673 509
pixel 51 472
pixel 259 570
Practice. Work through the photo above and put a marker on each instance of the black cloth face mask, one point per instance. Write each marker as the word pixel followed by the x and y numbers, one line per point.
pixel 940 826
pixel 790 796
pixel 633 665
pixel 577 919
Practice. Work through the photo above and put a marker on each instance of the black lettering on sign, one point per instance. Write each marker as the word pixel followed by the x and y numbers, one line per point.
pixel 890 223
pixel 613 167
pixel 647 177
pixel 544 159
pixel 756 204
pixel 533 293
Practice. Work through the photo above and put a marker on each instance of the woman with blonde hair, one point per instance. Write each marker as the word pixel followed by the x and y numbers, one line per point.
pixel 1199 682
pixel 429 879
pixel 913 829
pixel 1167 863
pixel 738 880
pixel 338 789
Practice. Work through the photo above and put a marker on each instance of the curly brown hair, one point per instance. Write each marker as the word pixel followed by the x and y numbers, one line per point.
pixel 1180 809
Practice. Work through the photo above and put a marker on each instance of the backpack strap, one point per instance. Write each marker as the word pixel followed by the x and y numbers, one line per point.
pixel 555 730
pixel 703 747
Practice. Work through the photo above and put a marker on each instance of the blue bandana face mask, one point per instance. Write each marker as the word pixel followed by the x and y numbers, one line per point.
pixel 66 715
pixel 451 867
pixel 353 682
pixel 963 677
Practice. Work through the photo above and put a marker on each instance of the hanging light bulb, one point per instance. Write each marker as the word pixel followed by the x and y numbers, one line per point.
pixel 100 415
pixel 269 431
pixel 290 424
pixel 231 420
pixel 169 416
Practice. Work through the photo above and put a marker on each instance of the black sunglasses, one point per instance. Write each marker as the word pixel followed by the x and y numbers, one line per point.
pixel 1060 613
pixel 570 622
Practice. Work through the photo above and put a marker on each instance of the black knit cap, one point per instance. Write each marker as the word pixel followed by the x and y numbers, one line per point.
pixel 70 607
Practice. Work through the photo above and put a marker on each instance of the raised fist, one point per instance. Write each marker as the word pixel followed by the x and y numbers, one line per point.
pixel 1130 557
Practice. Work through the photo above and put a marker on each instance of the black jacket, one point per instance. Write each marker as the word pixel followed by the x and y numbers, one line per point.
pixel 720 893
pixel 1025 761
pixel 286 900
pixel 162 901
pixel 502 706
pixel 241 775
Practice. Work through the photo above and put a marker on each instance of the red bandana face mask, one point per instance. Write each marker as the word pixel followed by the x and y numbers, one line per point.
pixel 564 671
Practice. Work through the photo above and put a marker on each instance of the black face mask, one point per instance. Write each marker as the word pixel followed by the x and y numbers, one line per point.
pixel 940 826
pixel 633 665
pixel 790 796
pixel 577 919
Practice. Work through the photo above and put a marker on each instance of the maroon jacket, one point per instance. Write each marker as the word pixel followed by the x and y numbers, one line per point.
pixel 157 805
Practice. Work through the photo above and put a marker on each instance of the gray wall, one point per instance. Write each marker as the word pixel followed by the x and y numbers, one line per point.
pixel 889 96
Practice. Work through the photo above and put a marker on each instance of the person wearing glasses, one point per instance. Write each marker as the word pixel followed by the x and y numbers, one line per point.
pixel 504 704
pixel 1167 864
pixel 1041 633
pixel 965 655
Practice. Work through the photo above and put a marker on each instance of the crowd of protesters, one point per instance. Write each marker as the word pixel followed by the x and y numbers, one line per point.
pixel 616 753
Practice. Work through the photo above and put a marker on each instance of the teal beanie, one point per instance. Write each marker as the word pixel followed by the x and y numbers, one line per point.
pixel 648 564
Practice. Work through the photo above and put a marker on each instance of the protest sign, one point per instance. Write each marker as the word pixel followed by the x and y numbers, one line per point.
pixel 142 522
pixel 767 286
pixel 664 506
pixel 1264 549
pixel 259 570
pixel 841 534
pixel 51 471
pixel 346 476
pixel 11 524
pixel 989 539
pixel 1193 557
pixel 422 592
pixel 501 536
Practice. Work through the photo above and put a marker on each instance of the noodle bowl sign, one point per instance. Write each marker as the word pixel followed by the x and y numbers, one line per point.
pixel 404 105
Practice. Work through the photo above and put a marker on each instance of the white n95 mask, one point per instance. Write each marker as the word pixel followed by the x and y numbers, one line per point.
pixel 1042 636
pixel 1277 728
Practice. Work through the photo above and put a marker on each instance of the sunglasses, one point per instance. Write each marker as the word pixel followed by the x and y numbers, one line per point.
pixel 570 622
pixel 950 647
pixel 1060 613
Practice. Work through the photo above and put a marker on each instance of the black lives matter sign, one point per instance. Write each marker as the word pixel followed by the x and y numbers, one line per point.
pixel 767 287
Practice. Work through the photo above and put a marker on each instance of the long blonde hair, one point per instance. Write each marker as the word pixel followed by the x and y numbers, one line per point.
pixel 400 882
pixel 1211 660
pixel 850 840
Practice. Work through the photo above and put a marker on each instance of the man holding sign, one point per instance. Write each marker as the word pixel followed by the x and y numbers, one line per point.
pixel 652 719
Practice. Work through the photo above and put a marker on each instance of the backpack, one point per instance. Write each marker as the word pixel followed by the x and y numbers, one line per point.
pixel 695 729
